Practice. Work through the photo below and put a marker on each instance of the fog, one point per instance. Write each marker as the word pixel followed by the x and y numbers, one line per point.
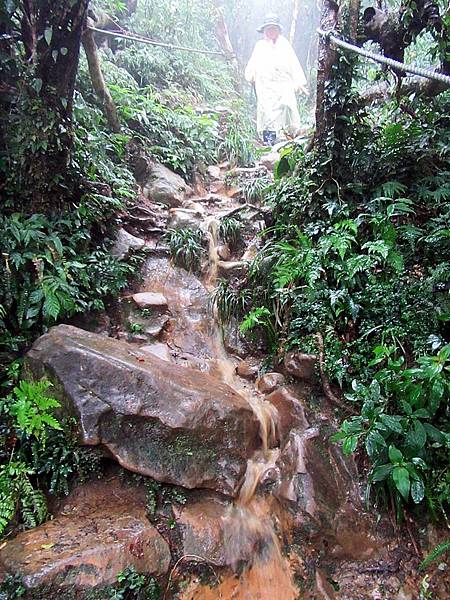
pixel 244 17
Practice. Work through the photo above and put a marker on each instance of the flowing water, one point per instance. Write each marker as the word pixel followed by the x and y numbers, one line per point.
pixel 288 467
pixel 249 536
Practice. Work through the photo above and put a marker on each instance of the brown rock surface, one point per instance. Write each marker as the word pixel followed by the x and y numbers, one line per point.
pixel 269 382
pixel 173 424
pixel 101 530
pixel 166 187
pixel 201 529
pixel 248 369
pixel 300 366
pixel 291 414
pixel 160 350
pixel 150 300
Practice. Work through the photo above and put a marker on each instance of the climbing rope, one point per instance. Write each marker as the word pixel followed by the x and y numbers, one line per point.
pixel 144 40
pixel 390 62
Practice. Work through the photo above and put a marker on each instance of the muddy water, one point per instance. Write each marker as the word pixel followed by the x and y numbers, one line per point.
pixel 250 541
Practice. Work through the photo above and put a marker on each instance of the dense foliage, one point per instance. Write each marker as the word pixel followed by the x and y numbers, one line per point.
pixel 56 233
pixel 359 258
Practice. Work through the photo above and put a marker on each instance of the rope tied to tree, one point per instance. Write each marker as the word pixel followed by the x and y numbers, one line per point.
pixel 390 62
pixel 144 40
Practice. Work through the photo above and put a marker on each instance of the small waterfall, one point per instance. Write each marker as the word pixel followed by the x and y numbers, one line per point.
pixel 249 536
pixel 212 233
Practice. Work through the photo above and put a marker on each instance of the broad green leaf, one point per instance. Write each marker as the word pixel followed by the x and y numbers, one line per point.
pixel 400 475
pixel 433 433
pixel 350 444
pixel 417 490
pixel 406 407
pixel 416 436
pixel 374 441
pixel 419 463
pixel 395 456
pixel 381 473
pixel 48 34
pixel 392 423
pixel 421 413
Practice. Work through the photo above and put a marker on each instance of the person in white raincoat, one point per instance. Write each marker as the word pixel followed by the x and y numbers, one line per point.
pixel 276 72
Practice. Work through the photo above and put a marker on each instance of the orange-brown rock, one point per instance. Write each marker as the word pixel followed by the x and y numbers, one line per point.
pixel 291 414
pixel 201 529
pixel 269 382
pixel 101 530
pixel 171 423
pixel 301 366
pixel 248 369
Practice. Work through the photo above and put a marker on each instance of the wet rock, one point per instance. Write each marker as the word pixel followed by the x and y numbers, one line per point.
pixel 201 529
pixel 160 350
pixel 166 187
pixel 126 242
pixel 224 252
pixel 150 300
pixel 269 382
pixel 234 341
pixel 231 269
pixel 248 369
pixel 291 414
pixel 191 329
pixel 214 172
pixel 323 588
pixel 301 366
pixel 173 424
pixel 185 218
pixel 198 208
pixel 269 160
pixel 101 530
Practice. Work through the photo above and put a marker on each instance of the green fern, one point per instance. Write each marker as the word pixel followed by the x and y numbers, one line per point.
pixel 435 554
pixel 31 409
pixel 33 504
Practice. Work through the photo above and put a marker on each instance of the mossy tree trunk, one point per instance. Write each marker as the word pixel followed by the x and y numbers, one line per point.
pixel 98 82
pixel 51 34
pixel 341 16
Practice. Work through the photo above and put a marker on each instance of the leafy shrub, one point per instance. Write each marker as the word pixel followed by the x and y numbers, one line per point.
pixel 404 429
pixel 39 453
pixel 187 246
pixel 237 145
pixel 359 253
pixel 50 272
pixel 230 231
pixel 28 414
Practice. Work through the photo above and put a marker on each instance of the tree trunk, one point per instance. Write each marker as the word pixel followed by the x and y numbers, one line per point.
pixel 295 12
pixel 227 47
pixel 326 59
pixel 98 82
pixel 51 35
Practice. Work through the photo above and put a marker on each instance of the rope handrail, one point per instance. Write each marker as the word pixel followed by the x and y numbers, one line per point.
pixel 390 62
pixel 144 40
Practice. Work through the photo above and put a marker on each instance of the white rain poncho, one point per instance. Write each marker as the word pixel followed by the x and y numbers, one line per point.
pixel 277 74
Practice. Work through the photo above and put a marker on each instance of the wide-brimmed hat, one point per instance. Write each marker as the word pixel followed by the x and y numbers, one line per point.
pixel 271 19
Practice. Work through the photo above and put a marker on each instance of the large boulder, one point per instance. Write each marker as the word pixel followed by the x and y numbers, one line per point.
pixel 171 423
pixel 124 243
pixel 166 187
pixel 101 530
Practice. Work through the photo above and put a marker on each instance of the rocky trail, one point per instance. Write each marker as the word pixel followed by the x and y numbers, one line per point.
pixel 262 505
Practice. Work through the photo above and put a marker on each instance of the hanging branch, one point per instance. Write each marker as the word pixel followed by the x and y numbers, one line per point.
pixel 98 82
